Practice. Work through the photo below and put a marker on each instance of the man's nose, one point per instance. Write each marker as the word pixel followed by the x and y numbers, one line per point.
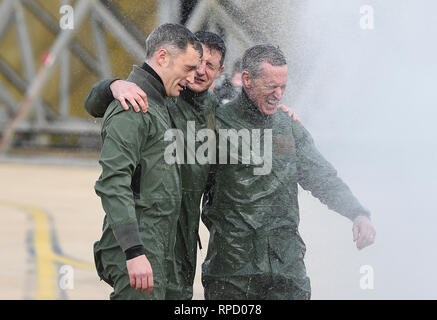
pixel 277 93
pixel 190 77
pixel 201 69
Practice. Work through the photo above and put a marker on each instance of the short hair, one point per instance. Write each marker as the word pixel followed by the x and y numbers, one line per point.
pixel 212 41
pixel 256 55
pixel 171 36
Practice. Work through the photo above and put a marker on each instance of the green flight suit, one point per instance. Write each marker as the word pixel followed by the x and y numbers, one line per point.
pixel 139 190
pixel 190 110
pixel 191 113
pixel 255 250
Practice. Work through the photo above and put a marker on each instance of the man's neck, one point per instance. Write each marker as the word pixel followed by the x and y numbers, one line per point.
pixel 150 69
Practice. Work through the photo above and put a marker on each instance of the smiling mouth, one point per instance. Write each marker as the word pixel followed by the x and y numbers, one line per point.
pixel 272 104
pixel 180 87
pixel 198 79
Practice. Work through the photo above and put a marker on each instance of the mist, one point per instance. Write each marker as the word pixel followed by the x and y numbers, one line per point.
pixel 368 97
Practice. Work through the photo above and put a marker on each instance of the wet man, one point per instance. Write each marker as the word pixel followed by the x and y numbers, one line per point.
pixel 140 192
pixel 196 106
pixel 255 250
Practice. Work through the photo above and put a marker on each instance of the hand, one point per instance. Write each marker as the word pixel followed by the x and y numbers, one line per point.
pixel 291 114
pixel 140 273
pixel 363 232
pixel 125 90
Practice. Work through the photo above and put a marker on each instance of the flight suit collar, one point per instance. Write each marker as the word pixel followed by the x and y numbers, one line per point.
pixel 197 100
pixel 151 85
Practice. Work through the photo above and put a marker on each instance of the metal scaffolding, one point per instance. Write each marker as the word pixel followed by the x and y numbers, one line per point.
pixel 44 119
pixel 32 114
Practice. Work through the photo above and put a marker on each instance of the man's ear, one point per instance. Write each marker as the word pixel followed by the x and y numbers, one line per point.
pixel 221 69
pixel 162 57
pixel 246 79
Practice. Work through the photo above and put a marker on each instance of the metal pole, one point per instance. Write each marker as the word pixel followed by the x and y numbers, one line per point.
pixel 239 17
pixel 37 84
pixel 53 26
pixel 101 48
pixel 64 83
pixel 199 15
pixel 8 99
pixel 27 56
pixel 22 85
pixel 5 16
pixel 169 11
pixel 119 32
pixel 221 16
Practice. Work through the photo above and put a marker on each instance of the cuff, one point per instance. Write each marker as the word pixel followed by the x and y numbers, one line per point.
pixel 359 212
pixel 134 252
pixel 127 235
pixel 108 83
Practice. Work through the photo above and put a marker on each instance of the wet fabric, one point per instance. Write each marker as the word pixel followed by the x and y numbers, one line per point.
pixel 141 206
pixel 191 113
pixel 254 218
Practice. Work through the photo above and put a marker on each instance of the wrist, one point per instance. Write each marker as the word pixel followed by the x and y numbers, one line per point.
pixel 109 87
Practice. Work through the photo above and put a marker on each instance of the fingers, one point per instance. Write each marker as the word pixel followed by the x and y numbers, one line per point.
pixel 140 101
pixel 134 100
pixel 366 237
pixel 123 103
pixel 140 273
pixel 132 280
pixel 355 232
pixel 150 284
pixel 142 282
pixel 139 282
pixel 125 90
pixel 143 96
pixel 134 104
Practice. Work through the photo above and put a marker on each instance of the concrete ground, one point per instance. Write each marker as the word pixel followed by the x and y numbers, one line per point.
pixel 50 218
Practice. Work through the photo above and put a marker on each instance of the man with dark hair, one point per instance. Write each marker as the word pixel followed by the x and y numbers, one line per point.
pixel 140 192
pixel 255 250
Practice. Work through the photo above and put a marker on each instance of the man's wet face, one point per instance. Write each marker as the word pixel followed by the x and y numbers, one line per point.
pixel 267 90
pixel 181 71
pixel 208 70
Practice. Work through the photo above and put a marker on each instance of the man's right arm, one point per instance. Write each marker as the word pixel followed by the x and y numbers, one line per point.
pixel 105 91
pixel 123 137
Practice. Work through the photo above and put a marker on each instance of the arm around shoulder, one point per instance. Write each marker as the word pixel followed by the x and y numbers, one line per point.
pixel 99 98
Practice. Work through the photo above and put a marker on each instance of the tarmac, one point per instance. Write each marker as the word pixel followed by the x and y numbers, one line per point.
pixel 50 217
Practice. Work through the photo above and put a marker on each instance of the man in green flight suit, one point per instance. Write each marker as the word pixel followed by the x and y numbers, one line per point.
pixel 193 111
pixel 139 190
pixel 255 250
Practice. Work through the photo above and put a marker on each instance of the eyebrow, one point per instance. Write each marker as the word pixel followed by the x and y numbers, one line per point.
pixel 276 85
pixel 190 67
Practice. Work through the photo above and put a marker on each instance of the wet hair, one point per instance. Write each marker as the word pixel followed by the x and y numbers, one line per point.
pixel 171 36
pixel 256 55
pixel 212 41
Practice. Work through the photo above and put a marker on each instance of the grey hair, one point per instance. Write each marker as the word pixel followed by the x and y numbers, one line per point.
pixel 256 55
pixel 171 36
